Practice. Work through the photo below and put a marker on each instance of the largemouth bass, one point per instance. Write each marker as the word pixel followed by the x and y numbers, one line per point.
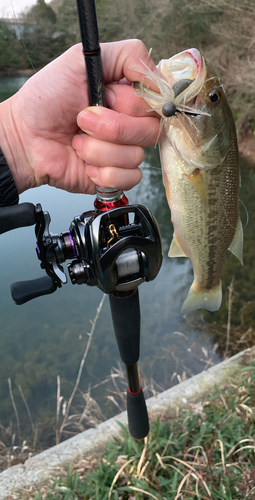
pixel 199 159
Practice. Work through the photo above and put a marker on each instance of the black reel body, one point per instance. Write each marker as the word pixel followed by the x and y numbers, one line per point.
pixel 115 250
pixel 112 254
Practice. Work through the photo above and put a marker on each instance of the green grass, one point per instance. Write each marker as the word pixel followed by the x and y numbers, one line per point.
pixel 205 452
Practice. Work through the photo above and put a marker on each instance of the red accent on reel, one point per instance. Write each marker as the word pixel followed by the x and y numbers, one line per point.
pixel 104 206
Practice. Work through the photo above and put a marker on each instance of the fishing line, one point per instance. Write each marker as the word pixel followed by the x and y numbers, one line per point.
pixel 226 214
pixel 155 168
pixel 246 211
pixel 21 37
pixel 215 77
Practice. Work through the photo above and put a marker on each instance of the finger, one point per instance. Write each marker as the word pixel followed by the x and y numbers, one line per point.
pixel 124 99
pixel 122 59
pixel 96 152
pixel 118 128
pixel 115 177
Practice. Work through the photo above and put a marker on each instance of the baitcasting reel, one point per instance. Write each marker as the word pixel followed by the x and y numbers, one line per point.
pixel 116 250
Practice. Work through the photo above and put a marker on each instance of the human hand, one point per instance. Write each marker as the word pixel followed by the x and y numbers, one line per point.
pixel 40 134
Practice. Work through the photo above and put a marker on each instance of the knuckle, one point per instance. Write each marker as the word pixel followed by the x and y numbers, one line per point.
pixel 118 131
pixel 138 156
pixel 107 176
pixel 88 150
pixel 139 45
pixel 138 176
pixel 111 128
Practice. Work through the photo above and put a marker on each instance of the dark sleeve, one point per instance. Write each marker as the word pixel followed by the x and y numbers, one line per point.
pixel 8 191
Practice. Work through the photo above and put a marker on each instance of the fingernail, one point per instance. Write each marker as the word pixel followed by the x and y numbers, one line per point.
pixel 88 120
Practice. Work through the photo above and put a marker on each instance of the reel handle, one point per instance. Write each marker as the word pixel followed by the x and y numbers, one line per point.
pixel 23 291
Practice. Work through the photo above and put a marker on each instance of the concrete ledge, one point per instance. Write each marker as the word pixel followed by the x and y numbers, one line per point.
pixel 46 464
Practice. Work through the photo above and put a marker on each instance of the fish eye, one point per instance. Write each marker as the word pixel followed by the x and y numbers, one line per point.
pixel 214 96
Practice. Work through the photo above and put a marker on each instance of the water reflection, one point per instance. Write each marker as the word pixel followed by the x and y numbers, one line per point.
pixel 46 337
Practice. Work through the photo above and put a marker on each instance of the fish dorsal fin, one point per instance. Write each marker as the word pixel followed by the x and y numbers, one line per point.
pixel 236 247
pixel 175 249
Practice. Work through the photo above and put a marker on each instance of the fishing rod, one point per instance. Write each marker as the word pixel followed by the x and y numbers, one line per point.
pixel 125 308
pixel 115 247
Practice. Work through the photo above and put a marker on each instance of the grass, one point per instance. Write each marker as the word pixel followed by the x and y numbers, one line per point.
pixel 205 452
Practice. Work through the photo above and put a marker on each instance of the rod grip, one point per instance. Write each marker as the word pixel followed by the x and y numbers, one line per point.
pixel 23 291
pixel 15 216
pixel 125 311
pixel 138 420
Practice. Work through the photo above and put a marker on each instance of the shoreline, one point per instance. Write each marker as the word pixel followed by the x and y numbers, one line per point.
pixel 45 466
pixel 18 72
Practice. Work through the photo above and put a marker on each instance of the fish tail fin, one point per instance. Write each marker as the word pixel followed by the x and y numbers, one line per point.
pixel 199 299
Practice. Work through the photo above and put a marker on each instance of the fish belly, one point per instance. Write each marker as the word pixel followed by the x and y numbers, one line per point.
pixel 202 232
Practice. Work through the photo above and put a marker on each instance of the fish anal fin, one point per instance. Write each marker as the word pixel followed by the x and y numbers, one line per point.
pixel 236 246
pixel 202 299
pixel 175 249
pixel 197 181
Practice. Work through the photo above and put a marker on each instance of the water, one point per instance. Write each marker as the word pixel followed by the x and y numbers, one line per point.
pixel 47 336
pixel 9 85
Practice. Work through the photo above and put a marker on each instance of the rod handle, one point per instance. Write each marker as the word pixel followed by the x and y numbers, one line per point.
pixel 125 311
pixel 138 420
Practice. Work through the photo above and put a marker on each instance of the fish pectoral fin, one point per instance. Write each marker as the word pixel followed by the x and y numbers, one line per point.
pixel 202 299
pixel 236 246
pixel 175 249
pixel 198 183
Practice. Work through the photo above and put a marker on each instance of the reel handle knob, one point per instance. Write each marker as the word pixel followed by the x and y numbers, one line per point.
pixel 17 216
pixel 23 291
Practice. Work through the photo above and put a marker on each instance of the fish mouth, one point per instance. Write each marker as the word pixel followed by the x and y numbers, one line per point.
pixel 179 80
pixel 185 65
pixel 185 74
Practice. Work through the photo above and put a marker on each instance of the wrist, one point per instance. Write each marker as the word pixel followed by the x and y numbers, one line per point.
pixel 12 148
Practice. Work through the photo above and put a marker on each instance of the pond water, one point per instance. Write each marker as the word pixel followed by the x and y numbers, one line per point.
pixel 46 337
